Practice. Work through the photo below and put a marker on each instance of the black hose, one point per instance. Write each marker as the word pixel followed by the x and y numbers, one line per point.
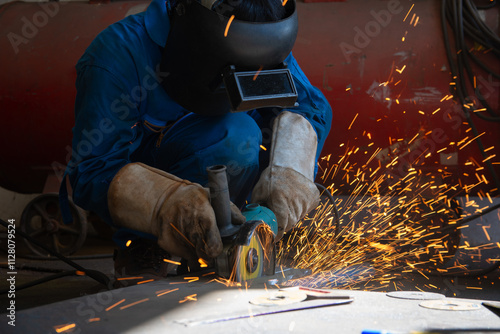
pixel 48 279
pixel 41 280
pixel 79 257
pixel 453 14
pixel 323 190
pixel 462 222
pixel 96 275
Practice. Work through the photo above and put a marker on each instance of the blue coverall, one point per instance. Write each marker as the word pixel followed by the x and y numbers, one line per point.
pixel 123 115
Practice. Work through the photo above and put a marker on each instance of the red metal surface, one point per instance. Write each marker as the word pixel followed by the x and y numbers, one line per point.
pixel 384 90
pixel 40 47
pixel 383 67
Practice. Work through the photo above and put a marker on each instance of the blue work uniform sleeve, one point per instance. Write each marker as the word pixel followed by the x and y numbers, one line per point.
pixel 104 136
pixel 312 104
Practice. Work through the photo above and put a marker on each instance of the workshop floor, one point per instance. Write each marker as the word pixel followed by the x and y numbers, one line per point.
pixel 96 254
pixel 485 287
pixel 80 302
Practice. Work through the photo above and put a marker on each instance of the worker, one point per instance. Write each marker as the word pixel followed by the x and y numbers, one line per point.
pixel 140 155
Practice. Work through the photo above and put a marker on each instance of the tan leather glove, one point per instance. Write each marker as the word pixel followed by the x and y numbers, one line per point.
pixel 287 186
pixel 176 211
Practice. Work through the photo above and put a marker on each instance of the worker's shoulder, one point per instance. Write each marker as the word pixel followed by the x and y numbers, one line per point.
pixel 129 30
pixel 120 40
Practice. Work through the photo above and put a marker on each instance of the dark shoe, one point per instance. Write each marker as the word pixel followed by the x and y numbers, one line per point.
pixel 141 262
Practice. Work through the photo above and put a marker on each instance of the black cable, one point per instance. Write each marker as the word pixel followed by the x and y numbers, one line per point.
pixel 481 25
pixel 488 6
pixel 94 274
pixel 80 257
pixel 453 15
pixel 483 66
pixel 470 218
pixel 468 273
pixel 32 268
pixel 45 280
pixel 40 281
pixel 323 190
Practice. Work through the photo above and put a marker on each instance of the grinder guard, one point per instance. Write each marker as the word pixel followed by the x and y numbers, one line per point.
pixel 198 51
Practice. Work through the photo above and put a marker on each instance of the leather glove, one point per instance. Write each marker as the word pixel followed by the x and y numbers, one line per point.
pixel 287 186
pixel 176 211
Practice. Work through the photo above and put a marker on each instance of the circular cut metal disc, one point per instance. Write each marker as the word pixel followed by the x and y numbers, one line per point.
pixel 416 295
pixel 279 298
pixel 450 305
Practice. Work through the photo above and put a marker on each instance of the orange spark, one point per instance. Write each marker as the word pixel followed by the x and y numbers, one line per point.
pixel 257 73
pixel 173 262
pixel 182 235
pixel 203 263
pixel 408 12
pixel 352 121
pixel 63 328
pixel 114 305
pixel 163 292
pixel 189 298
pixel 486 232
pixel 228 24
pixel 134 303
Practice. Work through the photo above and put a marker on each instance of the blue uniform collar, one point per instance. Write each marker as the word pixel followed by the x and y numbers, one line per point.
pixel 157 22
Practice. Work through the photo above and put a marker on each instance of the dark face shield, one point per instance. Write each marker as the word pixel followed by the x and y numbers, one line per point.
pixel 217 65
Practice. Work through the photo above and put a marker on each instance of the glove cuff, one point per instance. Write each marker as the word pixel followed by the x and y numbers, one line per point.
pixel 294 144
pixel 136 195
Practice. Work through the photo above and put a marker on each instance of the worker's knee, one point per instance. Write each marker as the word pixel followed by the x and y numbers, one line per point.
pixel 241 144
pixel 197 142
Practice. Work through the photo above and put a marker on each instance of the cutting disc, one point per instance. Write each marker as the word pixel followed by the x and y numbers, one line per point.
pixel 450 305
pixel 279 298
pixel 249 260
pixel 416 295
pixel 255 257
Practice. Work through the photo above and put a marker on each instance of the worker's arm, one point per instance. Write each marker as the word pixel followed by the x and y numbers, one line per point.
pixel 287 186
pixel 313 105
pixel 104 136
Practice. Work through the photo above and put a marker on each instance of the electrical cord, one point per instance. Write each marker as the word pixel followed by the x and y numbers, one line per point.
pixel 50 278
pixel 80 271
pixel 488 6
pixel 323 190
pixel 465 21
pixel 448 229
pixel 80 257
pixel 454 227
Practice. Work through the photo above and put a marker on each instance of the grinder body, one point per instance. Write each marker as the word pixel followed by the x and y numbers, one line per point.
pixel 249 249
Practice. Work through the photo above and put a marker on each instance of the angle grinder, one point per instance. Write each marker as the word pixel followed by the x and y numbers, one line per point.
pixel 249 250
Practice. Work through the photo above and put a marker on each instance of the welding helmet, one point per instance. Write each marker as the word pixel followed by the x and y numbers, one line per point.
pixel 217 64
